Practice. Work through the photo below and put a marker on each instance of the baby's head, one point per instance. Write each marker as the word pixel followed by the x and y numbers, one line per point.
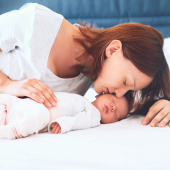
pixel 112 109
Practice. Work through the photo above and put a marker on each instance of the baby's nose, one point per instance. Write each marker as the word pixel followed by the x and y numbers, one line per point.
pixel 112 108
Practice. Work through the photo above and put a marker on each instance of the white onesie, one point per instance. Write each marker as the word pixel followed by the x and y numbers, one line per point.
pixel 23 117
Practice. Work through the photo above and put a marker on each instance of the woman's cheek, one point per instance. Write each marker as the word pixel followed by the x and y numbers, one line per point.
pixel 97 89
pixel 96 84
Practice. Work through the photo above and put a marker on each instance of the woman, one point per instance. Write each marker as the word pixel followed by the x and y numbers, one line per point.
pixel 41 52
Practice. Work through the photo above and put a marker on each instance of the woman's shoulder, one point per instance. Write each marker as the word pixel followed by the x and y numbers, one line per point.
pixel 38 8
pixel 33 6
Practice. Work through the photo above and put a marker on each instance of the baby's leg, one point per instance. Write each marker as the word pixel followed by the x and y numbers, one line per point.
pixel 33 121
pixel 8 132
pixel 3 113
pixel 34 118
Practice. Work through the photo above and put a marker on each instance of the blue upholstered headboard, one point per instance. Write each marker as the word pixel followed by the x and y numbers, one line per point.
pixel 106 13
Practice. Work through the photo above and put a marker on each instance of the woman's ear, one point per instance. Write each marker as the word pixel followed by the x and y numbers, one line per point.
pixel 114 46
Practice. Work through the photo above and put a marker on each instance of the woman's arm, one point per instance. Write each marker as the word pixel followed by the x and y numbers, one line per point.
pixel 31 88
pixel 4 82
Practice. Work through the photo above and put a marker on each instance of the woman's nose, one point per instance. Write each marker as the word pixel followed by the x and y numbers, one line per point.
pixel 120 92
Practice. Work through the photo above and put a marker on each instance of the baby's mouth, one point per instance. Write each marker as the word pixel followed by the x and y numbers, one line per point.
pixel 106 109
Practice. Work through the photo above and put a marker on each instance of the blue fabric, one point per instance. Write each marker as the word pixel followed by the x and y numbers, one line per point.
pixel 106 13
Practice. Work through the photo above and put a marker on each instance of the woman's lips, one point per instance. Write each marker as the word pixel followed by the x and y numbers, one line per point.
pixel 107 91
pixel 106 109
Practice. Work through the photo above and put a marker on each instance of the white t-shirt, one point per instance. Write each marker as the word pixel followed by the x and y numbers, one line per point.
pixel 26 38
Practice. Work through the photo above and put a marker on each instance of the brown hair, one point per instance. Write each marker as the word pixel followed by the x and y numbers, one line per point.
pixel 142 45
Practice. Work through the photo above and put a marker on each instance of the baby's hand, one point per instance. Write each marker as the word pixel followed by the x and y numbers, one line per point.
pixel 56 129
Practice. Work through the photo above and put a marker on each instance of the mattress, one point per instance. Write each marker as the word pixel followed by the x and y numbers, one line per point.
pixel 126 144
pixel 122 145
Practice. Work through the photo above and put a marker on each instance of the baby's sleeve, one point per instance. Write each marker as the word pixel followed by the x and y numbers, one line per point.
pixel 16 27
pixel 88 118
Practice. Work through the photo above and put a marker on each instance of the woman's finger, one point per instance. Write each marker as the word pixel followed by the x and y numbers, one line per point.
pixel 48 89
pixel 34 89
pixel 42 90
pixel 38 92
pixel 153 111
pixel 160 116
pixel 36 95
pixel 165 120
pixel 150 115
pixel 160 108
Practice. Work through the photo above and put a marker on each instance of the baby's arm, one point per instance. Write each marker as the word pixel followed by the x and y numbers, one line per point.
pixel 82 120
pixel 25 117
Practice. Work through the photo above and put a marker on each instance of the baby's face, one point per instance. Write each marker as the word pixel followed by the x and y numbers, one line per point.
pixel 112 109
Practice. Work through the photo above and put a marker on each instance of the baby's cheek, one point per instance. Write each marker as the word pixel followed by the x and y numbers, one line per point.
pixel 116 117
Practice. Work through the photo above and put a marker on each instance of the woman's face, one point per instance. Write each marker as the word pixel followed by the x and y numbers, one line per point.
pixel 118 75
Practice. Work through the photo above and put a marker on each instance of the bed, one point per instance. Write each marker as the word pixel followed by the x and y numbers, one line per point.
pixel 122 145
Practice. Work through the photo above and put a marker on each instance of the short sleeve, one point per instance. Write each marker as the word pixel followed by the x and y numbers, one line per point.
pixel 16 27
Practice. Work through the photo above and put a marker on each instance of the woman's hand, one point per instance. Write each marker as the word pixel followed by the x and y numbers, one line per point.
pixel 56 129
pixel 33 89
pixel 158 113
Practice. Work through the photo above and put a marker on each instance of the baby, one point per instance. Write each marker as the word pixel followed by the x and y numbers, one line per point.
pixel 22 117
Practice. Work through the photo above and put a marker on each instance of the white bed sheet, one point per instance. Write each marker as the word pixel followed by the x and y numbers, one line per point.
pixel 122 145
